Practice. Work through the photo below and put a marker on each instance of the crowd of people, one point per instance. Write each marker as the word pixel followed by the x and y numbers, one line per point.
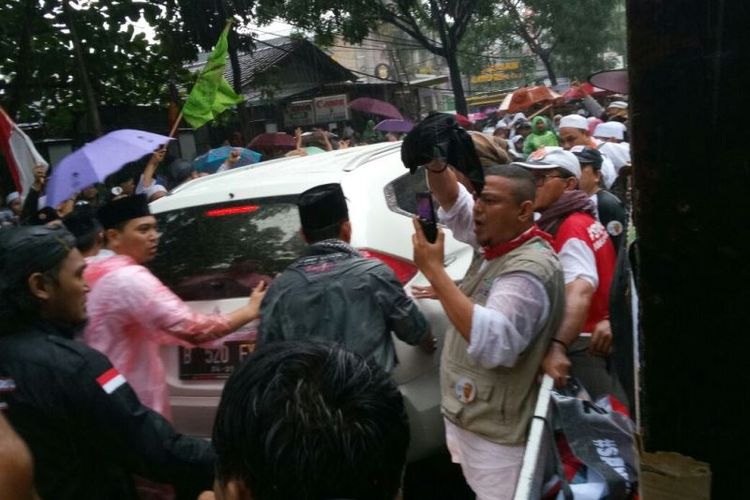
pixel 313 412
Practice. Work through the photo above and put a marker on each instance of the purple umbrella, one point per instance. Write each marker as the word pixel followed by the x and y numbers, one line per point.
pixel 401 126
pixel 375 107
pixel 96 160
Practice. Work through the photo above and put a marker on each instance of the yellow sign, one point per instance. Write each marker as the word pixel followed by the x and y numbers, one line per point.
pixel 499 72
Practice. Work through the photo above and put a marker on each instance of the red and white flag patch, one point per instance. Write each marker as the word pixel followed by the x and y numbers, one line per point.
pixel 110 380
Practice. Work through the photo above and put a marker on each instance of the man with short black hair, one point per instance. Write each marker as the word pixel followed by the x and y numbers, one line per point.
pixel 503 316
pixel 87 430
pixel 82 223
pixel 333 293
pixel 608 208
pixel 309 421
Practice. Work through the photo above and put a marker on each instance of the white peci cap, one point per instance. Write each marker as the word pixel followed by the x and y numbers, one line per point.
pixel 574 121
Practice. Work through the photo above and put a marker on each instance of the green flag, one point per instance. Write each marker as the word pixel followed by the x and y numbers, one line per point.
pixel 211 94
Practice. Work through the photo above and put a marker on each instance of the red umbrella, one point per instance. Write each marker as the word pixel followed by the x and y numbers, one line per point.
pixel 524 98
pixel 576 93
pixel 376 107
pixel 273 140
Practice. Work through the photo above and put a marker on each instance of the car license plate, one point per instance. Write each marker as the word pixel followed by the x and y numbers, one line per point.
pixel 213 364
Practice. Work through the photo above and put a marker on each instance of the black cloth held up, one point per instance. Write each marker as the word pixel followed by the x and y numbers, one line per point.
pixel 439 137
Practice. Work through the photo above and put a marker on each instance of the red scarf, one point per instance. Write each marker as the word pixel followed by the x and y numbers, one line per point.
pixel 495 251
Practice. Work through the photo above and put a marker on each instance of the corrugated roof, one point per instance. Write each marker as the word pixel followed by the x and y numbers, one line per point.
pixel 270 54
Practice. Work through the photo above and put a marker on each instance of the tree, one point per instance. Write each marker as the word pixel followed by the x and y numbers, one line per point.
pixel 63 59
pixel 568 37
pixel 437 25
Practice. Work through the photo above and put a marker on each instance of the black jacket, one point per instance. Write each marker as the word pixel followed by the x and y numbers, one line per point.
pixel 334 294
pixel 611 213
pixel 88 442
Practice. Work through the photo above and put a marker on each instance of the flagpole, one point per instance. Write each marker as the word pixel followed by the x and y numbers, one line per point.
pixel 176 124
pixel 179 117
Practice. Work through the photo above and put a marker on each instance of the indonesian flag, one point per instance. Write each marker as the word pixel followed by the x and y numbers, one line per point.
pixel 111 380
pixel 19 152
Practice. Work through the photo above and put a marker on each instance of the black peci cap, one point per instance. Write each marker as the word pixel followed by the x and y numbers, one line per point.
pixel 588 156
pixel 124 209
pixel 322 206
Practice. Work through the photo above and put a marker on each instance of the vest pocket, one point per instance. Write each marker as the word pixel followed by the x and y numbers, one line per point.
pixel 469 401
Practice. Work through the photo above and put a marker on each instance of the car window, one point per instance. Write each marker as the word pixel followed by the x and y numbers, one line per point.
pixel 223 250
pixel 399 193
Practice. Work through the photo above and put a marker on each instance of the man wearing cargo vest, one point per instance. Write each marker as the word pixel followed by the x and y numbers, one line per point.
pixel 503 316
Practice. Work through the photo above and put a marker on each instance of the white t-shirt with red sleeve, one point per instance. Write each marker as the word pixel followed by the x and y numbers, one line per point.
pixel 586 252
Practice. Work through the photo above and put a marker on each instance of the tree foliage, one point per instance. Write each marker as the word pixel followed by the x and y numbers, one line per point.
pixel 569 37
pixel 42 71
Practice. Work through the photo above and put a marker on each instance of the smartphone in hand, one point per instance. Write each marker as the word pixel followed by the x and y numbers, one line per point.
pixel 427 217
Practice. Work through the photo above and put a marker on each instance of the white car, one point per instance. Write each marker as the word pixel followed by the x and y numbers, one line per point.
pixel 221 234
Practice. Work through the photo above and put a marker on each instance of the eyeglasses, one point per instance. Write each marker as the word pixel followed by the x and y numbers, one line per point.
pixel 539 180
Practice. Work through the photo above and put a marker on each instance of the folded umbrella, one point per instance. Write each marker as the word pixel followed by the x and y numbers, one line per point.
pixel 391 125
pixel 375 107
pixel 98 159
pixel 211 161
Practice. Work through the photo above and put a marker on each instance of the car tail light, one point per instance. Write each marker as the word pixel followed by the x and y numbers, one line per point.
pixel 404 269
pixel 241 209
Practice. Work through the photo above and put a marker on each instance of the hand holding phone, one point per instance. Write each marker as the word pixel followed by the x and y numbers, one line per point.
pixel 427 217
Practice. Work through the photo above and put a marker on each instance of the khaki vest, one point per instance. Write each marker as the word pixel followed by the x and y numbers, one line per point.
pixel 498 403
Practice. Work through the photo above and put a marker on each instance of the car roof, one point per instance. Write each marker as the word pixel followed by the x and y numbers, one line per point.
pixel 279 177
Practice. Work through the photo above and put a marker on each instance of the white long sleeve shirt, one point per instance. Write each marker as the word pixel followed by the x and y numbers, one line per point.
pixel 517 305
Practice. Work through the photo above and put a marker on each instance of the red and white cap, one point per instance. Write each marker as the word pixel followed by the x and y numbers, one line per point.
pixel 552 157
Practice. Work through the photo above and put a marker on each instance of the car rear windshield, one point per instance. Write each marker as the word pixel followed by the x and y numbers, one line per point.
pixel 222 251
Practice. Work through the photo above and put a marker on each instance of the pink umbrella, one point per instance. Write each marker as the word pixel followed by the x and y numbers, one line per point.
pixel 273 140
pixel 391 125
pixel 615 80
pixel 375 107
pixel 475 117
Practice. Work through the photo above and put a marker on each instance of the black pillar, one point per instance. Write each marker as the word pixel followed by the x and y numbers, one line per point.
pixel 690 116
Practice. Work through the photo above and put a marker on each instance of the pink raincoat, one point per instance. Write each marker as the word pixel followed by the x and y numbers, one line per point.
pixel 132 313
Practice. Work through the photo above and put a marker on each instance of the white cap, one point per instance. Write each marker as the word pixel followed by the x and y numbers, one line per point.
pixel 609 129
pixel 552 157
pixel 574 121
pixel 488 130
pixel 618 105
pixel 12 197
pixel 502 124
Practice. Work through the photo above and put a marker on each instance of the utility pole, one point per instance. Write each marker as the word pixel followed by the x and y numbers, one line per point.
pixel 688 82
